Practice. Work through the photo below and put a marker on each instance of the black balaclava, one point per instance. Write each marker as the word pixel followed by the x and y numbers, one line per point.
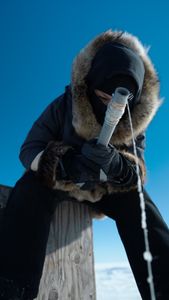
pixel 114 65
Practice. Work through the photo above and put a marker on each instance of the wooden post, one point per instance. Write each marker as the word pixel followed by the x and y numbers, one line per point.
pixel 68 271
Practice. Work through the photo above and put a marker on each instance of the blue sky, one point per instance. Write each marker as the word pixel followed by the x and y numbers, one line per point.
pixel 39 40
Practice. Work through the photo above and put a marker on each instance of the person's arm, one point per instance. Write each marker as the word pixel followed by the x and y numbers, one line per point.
pixel 43 148
pixel 46 128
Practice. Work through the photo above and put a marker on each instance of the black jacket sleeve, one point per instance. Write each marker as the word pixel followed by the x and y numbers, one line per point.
pixel 46 128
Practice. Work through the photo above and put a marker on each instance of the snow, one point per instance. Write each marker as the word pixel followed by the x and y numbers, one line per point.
pixel 115 281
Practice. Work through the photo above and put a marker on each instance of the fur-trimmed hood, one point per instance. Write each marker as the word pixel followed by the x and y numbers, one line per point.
pixel 84 120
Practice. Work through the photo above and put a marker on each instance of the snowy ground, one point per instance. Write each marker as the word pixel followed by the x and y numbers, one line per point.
pixel 114 281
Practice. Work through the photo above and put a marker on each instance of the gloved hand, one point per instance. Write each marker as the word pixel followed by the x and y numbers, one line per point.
pixel 118 169
pixel 49 169
pixel 101 155
pixel 78 168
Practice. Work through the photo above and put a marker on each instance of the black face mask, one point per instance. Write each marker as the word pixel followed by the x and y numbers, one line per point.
pixel 109 86
pixel 114 65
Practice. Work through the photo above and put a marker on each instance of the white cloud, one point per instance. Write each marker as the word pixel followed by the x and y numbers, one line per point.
pixel 115 281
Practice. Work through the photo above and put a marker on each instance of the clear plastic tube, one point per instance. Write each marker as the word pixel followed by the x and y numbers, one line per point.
pixel 114 112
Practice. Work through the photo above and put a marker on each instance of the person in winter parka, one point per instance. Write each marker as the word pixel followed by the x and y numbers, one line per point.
pixel 64 160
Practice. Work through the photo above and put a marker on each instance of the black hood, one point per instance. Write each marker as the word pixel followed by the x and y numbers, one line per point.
pixel 114 65
pixel 114 59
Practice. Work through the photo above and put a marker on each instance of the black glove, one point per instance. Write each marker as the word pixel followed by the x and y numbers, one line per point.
pixel 104 157
pixel 78 168
pixel 49 168
pixel 118 169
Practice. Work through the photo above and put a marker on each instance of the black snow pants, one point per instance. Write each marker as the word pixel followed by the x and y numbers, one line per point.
pixel 25 229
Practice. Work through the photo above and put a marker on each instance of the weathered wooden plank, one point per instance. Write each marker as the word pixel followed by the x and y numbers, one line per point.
pixel 68 271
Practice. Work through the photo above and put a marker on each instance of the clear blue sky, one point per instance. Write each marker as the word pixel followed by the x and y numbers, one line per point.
pixel 39 40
